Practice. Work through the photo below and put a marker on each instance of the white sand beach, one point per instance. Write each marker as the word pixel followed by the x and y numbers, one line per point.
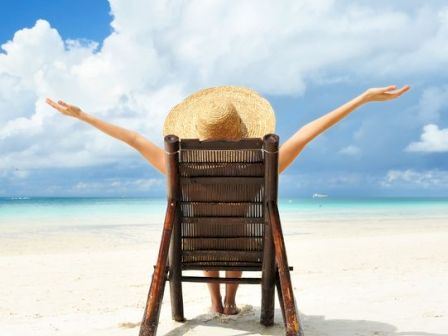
pixel 370 278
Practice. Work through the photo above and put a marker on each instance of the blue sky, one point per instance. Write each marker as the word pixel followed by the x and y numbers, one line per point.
pixel 128 62
pixel 73 19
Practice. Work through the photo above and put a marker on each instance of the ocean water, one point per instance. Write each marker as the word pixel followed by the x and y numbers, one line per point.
pixel 39 212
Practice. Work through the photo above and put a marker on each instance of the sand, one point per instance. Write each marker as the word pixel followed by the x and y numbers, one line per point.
pixel 373 277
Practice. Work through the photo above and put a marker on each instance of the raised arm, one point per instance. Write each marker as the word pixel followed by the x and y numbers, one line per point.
pixel 152 153
pixel 294 145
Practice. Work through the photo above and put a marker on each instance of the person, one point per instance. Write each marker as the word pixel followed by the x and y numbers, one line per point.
pixel 232 113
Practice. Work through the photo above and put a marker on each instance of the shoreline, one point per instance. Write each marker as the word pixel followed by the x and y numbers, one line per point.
pixel 21 238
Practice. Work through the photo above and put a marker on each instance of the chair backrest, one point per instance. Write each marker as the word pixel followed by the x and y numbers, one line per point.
pixel 221 188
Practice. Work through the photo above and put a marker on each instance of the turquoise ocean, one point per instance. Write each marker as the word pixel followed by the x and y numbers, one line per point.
pixel 44 213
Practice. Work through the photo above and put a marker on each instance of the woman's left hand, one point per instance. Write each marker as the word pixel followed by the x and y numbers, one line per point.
pixel 384 93
pixel 64 108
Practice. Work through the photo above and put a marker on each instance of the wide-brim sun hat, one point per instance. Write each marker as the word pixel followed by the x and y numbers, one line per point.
pixel 221 112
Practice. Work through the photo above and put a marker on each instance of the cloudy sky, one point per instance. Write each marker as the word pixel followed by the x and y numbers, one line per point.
pixel 129 61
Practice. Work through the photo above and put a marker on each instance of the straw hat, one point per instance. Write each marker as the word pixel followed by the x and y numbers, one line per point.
pixel 221 112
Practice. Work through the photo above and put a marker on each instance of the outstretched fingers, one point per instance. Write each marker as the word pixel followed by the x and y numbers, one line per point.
pixel 385 93
pixel 63 107
pixel 58 106
pixel 388 88
pixel 52 103
pixel 397 93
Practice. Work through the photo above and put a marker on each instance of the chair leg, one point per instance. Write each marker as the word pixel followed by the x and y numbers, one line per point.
pixel 177 302
pixel 280 296
pixel 267 304
pixel 155 295
pixel 286 298
pixel 268 280
pixel 293 327
pixel 153 305
pixel 175 275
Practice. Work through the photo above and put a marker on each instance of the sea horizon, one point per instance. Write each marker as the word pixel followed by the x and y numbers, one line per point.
pixel 147 209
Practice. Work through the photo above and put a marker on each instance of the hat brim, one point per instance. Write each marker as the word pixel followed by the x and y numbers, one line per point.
pixel 256 112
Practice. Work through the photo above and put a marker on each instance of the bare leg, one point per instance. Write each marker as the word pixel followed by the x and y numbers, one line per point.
pixel 215 293
pixel 229 301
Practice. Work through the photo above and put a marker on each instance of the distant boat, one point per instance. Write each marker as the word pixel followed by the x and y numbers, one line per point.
pixel 316 195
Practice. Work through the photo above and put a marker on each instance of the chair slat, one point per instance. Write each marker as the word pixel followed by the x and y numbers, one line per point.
pixel 223 266
pixel 193 169
pixel 223 220
pixel 207 180
pixel 247 143
pixel 230 155
pixel 222 209
pixel 226 227
pixel 252 281
pixel 221 256
pixel 221 189
pixel 221 243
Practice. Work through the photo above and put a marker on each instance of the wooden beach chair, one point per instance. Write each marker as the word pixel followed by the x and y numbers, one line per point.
pixel 222 215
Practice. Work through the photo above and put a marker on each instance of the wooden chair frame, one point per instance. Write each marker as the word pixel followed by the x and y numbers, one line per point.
pixel 275 269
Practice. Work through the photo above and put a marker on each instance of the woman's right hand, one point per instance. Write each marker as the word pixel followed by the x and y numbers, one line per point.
pixel 64 108
pixel 384 93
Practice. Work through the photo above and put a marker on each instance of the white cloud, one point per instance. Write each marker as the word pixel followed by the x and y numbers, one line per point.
pixel 115 185
pixel 432 139
pixel 326 180
pixel 411 178
pixel 351 150
pixel 160 51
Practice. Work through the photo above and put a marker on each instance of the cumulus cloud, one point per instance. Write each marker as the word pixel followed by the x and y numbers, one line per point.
pixel 37 63
pixel 118 185
pixel 432 140
pixel 327 180
pixel 351 150
pixel 412 178
pixel 160 51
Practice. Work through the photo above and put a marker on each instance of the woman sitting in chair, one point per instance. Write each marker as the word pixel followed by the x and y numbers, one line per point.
pixel 230 113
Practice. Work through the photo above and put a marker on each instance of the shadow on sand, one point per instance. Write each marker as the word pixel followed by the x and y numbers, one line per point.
pixel 247 323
